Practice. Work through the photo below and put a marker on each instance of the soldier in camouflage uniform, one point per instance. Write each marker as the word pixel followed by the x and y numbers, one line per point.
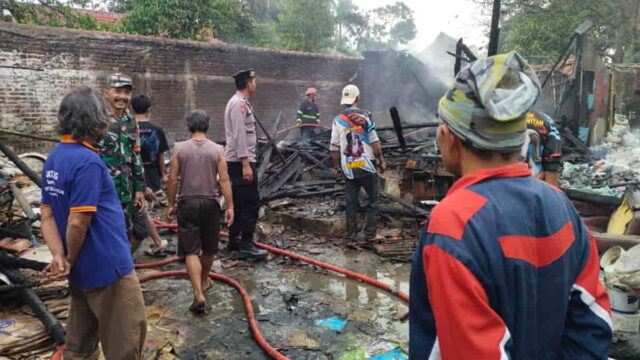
pixel 120 150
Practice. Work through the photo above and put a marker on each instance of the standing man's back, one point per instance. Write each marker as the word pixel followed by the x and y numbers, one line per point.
pixel 153 143
pixel 505 268
pixel 198 175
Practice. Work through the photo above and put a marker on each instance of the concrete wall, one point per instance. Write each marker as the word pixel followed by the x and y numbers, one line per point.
pixel 38 65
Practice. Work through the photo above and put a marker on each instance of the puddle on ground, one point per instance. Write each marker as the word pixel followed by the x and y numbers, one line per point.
pixel 287 298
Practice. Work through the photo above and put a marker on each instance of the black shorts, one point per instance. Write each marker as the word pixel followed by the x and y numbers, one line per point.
pixel 152 177
pixel 137 227
pixel 198 226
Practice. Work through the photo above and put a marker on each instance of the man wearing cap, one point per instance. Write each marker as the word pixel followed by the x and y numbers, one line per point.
pixel 120 151
pixel 356 153
pixel 241 136
pixel 308 113
pixel 505 268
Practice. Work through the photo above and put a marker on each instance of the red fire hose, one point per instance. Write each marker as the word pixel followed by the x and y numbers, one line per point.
pixel 245 296
pixel 275 250
pixel 302 125
pixel 349 273
pixel 253 324
pixel 58 354
pixel 257 335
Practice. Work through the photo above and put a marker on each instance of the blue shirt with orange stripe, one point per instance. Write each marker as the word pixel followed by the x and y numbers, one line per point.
pixel 75 179
pixel 506 269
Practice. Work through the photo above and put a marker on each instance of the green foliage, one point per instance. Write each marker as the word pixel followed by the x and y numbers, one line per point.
pixel 335 26
pixel 195 19
pixel 544 27
pixel 120 6
pixel 264 35
pixel 265 11
pixel 51 13
pixel 385 27
pixel 306 25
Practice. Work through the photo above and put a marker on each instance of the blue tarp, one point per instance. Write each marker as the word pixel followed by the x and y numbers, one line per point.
pixel 395 354
pixel 333 323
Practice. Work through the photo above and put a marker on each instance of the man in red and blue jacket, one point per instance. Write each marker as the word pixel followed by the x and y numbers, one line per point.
pixel 505 268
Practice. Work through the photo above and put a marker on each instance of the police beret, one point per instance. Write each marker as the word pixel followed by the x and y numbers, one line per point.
pixel 245 74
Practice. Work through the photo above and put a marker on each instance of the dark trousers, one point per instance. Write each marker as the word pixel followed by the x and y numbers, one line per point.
pixel 307 132
pixel 352 189
pixel 246 200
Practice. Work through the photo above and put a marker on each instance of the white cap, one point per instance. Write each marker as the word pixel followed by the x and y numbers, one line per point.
pixel 349 94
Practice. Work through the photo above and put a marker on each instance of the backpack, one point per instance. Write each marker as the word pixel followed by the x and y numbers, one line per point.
pixel 149 146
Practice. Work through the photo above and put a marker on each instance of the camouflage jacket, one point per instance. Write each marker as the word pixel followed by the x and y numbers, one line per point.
pixel 120 151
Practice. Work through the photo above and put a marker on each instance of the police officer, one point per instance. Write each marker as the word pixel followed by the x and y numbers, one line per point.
pixel 241 136
pixel 308 113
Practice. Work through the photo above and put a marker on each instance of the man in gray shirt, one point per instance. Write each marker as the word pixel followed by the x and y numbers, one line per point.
pixel 240 133
pixel 200 165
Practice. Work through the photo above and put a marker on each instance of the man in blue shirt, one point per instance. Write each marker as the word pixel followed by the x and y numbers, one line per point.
pixel 84 227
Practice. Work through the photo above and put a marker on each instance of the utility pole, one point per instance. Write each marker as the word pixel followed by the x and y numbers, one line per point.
pixel 494 35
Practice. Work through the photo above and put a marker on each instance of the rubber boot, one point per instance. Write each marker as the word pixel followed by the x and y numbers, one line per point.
pixel 233 244
pixel 249 250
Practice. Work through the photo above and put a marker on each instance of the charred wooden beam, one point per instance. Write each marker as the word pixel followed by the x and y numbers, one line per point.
pixel 266 158
pixel 8 262
pixel 24 204
pixel 273 144
pixel 51 324
pixel 308 157
pixel 406 204
pixel 20 164
pixel 397 125
pixel 282 175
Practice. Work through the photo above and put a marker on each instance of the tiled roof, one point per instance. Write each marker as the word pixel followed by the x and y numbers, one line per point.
pixel 102 16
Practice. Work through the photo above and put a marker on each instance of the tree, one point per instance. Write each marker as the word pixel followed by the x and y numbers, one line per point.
pixel 306 25
pixel 385 27
pixel 392 25
pixel 265 10
pixel 544 27
pixel 53 13
pixel 228 20
pixel 120 6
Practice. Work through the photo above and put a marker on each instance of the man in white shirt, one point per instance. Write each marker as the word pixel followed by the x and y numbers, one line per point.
pixel 356 153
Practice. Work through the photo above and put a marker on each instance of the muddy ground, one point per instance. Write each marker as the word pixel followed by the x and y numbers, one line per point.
pixel 288 297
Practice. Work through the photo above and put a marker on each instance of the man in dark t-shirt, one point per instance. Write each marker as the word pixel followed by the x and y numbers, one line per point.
pixel 153 143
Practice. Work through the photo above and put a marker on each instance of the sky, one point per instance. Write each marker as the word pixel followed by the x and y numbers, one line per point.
pixel 457 18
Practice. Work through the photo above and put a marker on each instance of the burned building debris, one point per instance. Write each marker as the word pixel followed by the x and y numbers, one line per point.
pixel 302 311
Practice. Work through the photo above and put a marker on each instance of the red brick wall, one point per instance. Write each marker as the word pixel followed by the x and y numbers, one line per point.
pixel 38 65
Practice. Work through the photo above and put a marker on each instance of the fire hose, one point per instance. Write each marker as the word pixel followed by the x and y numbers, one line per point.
pixel 302 125
pixel 257 335
pixel 275 250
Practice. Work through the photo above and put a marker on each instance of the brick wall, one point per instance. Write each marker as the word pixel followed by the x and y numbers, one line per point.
pixel 38 65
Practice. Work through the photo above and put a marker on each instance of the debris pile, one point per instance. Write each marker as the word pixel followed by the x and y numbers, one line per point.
pixel 300 169
pixel 614 165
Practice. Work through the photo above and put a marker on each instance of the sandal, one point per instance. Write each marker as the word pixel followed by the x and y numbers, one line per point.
pixel 159 253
